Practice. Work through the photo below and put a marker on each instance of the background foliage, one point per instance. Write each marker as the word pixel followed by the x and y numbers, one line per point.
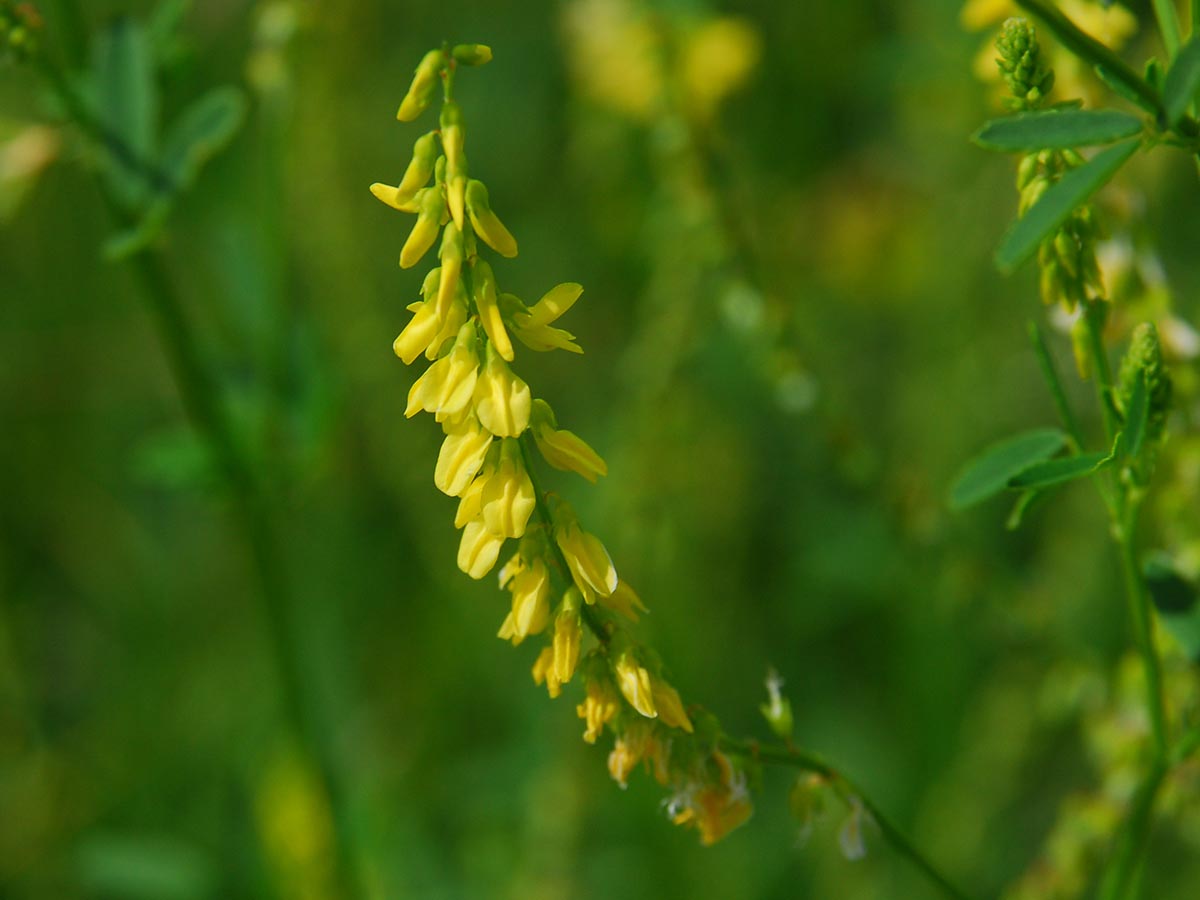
pixel 794 334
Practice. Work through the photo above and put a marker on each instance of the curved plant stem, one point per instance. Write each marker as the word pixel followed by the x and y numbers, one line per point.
pixel 810 762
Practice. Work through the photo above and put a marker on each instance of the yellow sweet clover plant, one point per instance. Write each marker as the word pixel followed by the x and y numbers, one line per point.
pixel 564 587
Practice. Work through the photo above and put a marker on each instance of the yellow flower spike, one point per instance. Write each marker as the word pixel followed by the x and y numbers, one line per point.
pixel 483 285
pixel 470 504
pixel 554 304
pixel 543 672
pixel 424 84
pixel 634 682
pixel 449 384
pixel 625 601
pixel 425 231
pixel 461 456
pixel 599 707
pixel 451 254
pixel 669 705
pixel 530 602
pixel 508 499
pixel 568 634
pixel 486 223
pixel 478 549
pixel 591 567
pixel 502 400
pixel 564 450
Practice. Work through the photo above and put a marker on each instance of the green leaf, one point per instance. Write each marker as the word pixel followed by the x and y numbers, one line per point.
pixel 126 97
pixel 1061 470
pixel 1095 53
pixel 1136 416
pixel 1177 602
pixel 1059 202
pixel 989 473
pixel 200 132
pixel 1182 82
pixel 1057 129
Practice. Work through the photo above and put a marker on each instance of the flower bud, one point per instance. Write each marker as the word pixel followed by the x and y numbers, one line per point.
pixel 484 293
pixel 568 633
pixel 486 223
pixel 472 54
pixel 634 682
pixel 543 671
pixel 424 84
pixel 425 231
pixel 564 450
pixel 669 705
pixel 1144 360
pixel 591 567
pixel 420 167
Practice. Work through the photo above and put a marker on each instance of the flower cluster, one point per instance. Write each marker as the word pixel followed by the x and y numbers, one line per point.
pixel 1070 275
pixel 561 579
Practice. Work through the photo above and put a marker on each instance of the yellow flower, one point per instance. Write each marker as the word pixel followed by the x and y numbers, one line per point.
pixel 417 334
pixel 624 601
pixel 532 325
pixel 485 222
pixel 669 705
pixel 591 567
pixel 543 671
pixel 431 205
pixel 502 400
pixel 483 285
pixel 449 384
pixel 508 498
pixel 451 254
pixel 461 456
pixel 598 708
pixel 628 750
pixel 634 682
pixel 568 633
pixel 530 603
pixel 563 449
pixel 416 176
pixel 478 549
pixel 470 502
pixel 714 809
pixel 717 59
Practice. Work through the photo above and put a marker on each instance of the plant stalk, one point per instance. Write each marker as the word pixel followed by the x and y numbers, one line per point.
pixel 811 762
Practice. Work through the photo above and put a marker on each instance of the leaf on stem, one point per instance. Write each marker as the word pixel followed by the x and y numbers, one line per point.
pixel 990 472
pixel 1137 414
pixel 1056 129
pixel 126 97
pixel 1182 82
pixel 1059 202
pixel 1058 471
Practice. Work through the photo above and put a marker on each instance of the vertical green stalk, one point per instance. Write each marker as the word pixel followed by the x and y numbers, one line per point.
pixel 1168 25
pixel 1050 374
pixel 1135 832
pixel 198 392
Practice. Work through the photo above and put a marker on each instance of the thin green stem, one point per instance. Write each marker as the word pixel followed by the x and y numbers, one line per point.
pixel 1168 25
pixel 1101 371
pixel 1143 627
pixel 1135 834
pixel 811 762
pixel 1065 413
pixel 199 394
pixel 198 391
pixel 1188 744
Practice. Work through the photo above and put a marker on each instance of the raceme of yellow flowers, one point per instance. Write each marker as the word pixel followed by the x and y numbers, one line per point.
pixel 560 578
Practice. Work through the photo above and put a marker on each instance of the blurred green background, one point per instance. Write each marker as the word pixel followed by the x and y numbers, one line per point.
pixel 794 336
